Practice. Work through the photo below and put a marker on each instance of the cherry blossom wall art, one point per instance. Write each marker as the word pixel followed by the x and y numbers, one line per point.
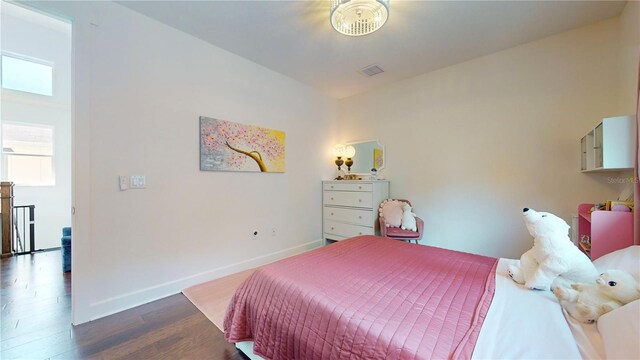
pixel 230 146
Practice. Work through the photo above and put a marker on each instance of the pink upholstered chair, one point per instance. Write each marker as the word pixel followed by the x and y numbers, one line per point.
pixel 399 234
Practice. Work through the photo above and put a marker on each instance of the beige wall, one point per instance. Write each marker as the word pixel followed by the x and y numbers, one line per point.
pixel 140 87
pixel 629 54
pixel 474 143
pixel 470 145
pixel 629 58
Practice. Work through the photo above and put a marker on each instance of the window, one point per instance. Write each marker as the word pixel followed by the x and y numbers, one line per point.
pixel 27 152
pixel 28 76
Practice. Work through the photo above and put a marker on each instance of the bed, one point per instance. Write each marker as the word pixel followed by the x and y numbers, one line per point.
pixel 375 298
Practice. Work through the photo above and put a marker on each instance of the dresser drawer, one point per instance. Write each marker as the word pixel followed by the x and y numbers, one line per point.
pixel 354 216
pixel 334 237
pixel 348 187
pixel 346 230
pixel 348 198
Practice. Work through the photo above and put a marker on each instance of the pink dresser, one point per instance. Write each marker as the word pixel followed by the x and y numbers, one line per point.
pixel 608 231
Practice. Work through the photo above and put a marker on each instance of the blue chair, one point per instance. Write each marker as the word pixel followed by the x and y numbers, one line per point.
pixel 66 249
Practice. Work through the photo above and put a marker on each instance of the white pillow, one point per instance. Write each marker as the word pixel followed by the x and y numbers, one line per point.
pixel 627 259
pixel 620 331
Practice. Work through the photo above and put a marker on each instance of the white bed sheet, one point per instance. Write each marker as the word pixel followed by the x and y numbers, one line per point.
pixel 530 324
pixel 523 324
pixel 587 338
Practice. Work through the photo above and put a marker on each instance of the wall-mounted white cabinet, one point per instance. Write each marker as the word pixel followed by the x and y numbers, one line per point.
pixel 610 145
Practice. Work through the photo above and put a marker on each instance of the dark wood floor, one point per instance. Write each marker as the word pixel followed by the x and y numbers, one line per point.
pixel 36 318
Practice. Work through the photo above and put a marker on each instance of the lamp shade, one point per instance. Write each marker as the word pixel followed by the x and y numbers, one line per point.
pixel 358 17
pixel 339 150
pixel 349 152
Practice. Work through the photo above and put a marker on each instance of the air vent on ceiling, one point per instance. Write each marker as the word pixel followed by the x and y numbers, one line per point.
pixel 372 70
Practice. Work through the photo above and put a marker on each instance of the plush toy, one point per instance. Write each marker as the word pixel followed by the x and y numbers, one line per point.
pixel 587 302
pixel 554 260
pixel 408 218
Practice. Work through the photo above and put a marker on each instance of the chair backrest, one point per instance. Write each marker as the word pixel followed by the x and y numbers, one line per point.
pixel 395 220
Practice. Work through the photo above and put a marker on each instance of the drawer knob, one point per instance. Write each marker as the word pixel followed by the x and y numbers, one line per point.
pixel 332 186
pixel 331 198
pixel 332 228
pixel 331 214
pixel 360 187
pixel 360 233
pixel 359 217
pixel 359 200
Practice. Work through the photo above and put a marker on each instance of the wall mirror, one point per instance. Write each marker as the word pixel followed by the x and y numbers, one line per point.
pixel 369 154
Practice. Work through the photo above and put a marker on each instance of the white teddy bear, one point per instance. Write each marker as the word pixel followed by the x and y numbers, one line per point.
pixel 554 260
pixel 408 218
pixel 587 302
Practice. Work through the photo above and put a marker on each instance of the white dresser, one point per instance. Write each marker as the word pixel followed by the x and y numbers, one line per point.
pixel 350 208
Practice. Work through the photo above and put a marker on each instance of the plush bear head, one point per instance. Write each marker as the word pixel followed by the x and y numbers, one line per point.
pixel 619 285
pixel 544 225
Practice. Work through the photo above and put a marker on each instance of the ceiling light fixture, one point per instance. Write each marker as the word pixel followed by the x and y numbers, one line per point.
pixel 358 17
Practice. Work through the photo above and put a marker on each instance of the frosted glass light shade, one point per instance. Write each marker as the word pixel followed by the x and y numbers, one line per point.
pixel 358 17
pixel 339 150
pixel 350 151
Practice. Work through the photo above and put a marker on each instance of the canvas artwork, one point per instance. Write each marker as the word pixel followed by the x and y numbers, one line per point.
pixel 377 158
pixel 230 146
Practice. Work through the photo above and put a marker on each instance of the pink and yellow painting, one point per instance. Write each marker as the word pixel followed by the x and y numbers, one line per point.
pixel 377 158
pixel 230 146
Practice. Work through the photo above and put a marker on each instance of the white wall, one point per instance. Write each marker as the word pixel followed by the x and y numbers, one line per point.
pixel 50 40
pixel 629 63
pixel 474 143
pixel 470 145
pixel 629 55
pixel 140 87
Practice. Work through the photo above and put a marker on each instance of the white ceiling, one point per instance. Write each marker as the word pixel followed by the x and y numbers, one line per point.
pixel 295 38
pixel 34 17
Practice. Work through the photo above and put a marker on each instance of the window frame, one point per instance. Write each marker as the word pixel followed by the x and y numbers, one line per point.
pixel 34 60
pixel 4 155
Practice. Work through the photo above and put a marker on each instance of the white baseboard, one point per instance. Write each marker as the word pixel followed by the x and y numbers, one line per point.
pixel 135 298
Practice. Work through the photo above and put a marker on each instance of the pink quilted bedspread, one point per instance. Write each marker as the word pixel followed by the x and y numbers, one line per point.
pixel 365 298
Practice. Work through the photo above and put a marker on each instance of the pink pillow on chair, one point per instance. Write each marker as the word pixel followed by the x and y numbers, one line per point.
pixel 391 211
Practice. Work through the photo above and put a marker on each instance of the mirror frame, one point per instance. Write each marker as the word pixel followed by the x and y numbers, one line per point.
pixel 384 153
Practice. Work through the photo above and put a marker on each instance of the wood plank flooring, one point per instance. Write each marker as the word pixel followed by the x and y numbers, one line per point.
pixel 36 321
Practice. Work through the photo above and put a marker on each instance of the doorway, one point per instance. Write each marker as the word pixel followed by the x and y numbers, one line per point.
pixel 35 170
pixel 35 126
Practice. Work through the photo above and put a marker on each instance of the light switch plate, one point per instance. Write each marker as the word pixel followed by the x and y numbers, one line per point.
pixel 138 181
pixel 124 182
